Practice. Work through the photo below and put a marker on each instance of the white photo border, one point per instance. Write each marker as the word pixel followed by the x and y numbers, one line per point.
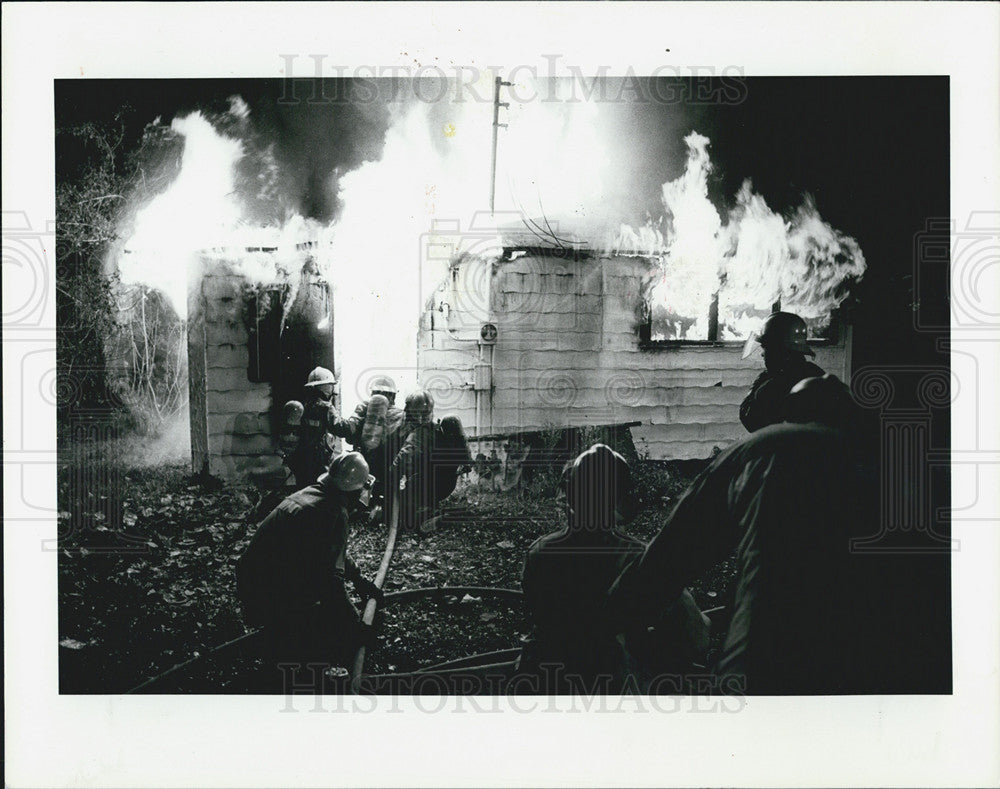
pixel 112 741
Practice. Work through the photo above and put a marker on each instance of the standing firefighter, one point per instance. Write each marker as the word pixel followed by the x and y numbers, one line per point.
pixel 305 438
pixel 291 578
pixel 427 466
pixel 783 338
pixel 810 616
pixel 373 428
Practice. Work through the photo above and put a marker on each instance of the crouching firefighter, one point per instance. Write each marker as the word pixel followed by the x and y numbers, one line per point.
pixel 427 467
pixel 305 431
pixel 810 614
pixel 291 580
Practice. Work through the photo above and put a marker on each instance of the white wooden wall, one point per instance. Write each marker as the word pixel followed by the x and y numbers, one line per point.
pixel 568 355
pixel 229 413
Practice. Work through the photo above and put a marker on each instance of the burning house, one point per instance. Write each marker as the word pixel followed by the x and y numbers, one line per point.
pixel 259 318
pixel 525 331
pixel 645 329
pixel 539 338
pixel 547 337
pixel 528 337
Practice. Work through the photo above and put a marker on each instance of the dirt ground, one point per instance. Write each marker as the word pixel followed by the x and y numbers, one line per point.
pixel 146 559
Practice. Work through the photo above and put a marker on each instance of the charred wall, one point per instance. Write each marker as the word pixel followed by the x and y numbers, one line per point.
pixel 250 348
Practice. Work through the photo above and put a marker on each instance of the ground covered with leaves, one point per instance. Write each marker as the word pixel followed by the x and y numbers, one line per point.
pixel 146 569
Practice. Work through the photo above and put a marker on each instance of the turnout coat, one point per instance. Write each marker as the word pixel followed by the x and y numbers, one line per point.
pixel 765 403
pixel 298 557
pixel 809 615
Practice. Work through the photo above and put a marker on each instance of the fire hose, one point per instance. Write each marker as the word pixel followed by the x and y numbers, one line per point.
pixel 369 613
pixel 214 652
pixel 390 597
pixel 356 670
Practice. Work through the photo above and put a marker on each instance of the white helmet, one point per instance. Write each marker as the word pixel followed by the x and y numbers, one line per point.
pixel 382 384
pixel 320 376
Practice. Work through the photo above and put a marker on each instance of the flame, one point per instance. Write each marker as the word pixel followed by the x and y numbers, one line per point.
pixel 753 261
pixel 647 240
pixel 752 269
pixel 424 204
pixel 375 254
pixel 198 210
pixel 406 217
pixel 201 213
pixel 401 224
pixel 690 252
pixel 823 262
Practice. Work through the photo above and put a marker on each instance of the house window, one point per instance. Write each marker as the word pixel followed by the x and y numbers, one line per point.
pixel 707 313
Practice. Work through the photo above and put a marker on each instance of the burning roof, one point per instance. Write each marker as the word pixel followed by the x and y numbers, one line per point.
pixel 433 170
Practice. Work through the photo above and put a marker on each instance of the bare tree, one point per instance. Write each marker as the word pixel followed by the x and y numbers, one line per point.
pixel 118 345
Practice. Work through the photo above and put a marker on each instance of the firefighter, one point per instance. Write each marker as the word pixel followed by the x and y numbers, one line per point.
pixel 305 433
pixel 567 574
pixel 427 466
pixel 783 339
pixel 809 616
pixel 411 469
pixel 292 577
pixel 452 457
pixel 373 428
pixel 823 399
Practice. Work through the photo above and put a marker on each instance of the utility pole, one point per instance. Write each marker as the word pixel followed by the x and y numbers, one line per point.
pixel 497 104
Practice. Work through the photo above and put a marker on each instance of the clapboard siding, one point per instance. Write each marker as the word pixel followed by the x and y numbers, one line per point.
pixel 568 354
pixel 239 401
pixel 246 424
pixel 230 355
pixel 237 423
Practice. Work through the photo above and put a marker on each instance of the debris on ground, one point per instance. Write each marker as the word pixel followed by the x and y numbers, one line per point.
pixel 146 573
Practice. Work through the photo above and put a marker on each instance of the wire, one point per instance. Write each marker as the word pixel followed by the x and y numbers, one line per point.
pixel 538 193
pixel 525 219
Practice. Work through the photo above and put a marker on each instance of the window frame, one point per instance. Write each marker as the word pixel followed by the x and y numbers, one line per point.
pixel 646 343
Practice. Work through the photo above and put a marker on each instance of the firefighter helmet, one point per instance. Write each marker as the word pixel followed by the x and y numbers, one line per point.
pixel 382 384
pixel 782 331
pixel 824 399
pixel 292 413
pixel 320 376
pixel 349 472
pixel 419 408
pixel 597 483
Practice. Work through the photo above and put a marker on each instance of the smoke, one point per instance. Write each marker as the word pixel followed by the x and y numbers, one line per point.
pixel 425 201
pixel 389 191
pixel 233 193
pixel 380 249
pixel 171 443
pixel 197 211
pixel 228 193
